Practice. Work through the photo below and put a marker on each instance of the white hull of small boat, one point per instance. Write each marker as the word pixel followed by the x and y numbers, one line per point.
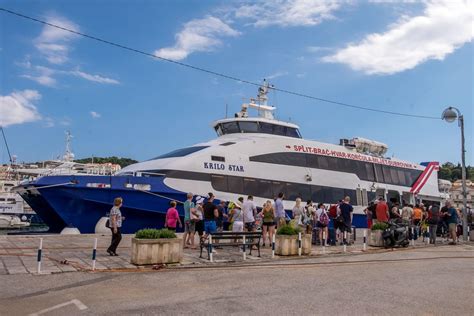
pixel 11 221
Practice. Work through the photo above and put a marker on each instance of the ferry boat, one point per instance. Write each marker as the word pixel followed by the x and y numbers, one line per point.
pixel 252 155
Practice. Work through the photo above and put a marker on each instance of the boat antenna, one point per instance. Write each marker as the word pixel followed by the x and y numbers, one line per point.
pixel 6 145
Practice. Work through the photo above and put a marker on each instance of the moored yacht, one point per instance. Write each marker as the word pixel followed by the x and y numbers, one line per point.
pixel 252 155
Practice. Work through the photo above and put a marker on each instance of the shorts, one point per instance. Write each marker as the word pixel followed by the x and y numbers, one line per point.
pixel 171 228
pixel 238 227
pixel 199 227
pixel 250 226
pixel 189 226
pixel 452 227
pixel 210 227
pixel 269 224
pixel 318 224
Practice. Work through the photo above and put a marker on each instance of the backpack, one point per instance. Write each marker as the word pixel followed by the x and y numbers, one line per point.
pixel 333 211
pixel 324 219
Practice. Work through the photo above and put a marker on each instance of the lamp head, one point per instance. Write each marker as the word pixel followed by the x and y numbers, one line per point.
pixel 449 115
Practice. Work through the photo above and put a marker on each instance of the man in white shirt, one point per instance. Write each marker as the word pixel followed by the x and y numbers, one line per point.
pixel 249 210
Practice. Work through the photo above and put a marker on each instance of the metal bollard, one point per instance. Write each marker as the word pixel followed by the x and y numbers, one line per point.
pixel 211 258
pixel 365 240
pixel 413 236
pixel 324 241
pixel 299 244
pixel 243 248
pixel 94 254
pixel 468 233
pixel 428 235
pixel 273 246
pixel 40 249
pixel 344 241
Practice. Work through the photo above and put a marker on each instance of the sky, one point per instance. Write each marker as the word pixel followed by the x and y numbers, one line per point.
pixel 414 57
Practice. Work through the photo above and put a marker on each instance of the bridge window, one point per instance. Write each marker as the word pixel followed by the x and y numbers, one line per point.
pixel 181 152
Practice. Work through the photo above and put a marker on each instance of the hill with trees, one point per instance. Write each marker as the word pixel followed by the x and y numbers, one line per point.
pixel 123 162
pixel 452 172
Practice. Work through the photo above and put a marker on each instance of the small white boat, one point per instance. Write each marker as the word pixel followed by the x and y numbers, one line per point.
pixel 12 221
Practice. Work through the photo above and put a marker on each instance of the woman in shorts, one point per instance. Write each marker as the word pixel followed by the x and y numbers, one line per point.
pixel 237 218
pixel 199 226
pixel 268 215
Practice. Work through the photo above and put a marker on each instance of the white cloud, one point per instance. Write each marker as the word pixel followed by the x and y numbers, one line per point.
pixel 276 75
pixel 53 43
pixel 287 13
pixel 18 107
pixel 95 115
pixel 94 78
pixel 444 27
pixel 48 122
pixel 199 35
pixel 41 75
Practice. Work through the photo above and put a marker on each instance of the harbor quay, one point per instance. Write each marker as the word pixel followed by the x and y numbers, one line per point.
pixel 73 253
pixel 377 281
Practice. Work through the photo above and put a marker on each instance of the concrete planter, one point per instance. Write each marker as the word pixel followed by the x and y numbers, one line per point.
pixel 155 251
pixel 287 245
pixel 471 235
pixel 375 238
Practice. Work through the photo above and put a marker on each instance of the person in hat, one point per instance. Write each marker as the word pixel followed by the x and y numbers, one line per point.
pixel 199 225
pixel 237 218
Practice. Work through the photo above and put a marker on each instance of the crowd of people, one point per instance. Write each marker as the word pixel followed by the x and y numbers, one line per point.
pixel 427 220
pixel 204 217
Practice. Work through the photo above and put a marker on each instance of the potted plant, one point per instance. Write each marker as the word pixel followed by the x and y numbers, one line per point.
pixel 154 246
pixel 375 234
pixel 286 241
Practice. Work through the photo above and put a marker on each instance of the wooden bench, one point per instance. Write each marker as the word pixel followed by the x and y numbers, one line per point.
pixel 231 239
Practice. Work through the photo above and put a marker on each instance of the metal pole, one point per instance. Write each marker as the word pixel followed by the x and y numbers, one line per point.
pixel 243 248
pixel 210 248
pixel 94 254
pixel 365 239
pixel 273 246
pixel 463 173
pixel 324 241
pixel 40 249
pixel 345 241
pixel 299 244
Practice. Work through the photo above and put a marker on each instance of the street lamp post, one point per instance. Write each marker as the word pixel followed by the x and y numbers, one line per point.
pixel 450 115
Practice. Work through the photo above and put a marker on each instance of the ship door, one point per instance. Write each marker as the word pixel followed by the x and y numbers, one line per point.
pixel 380 192
pixel 408 198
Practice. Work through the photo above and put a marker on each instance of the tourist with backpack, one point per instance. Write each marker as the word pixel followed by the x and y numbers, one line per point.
pixel 322 222
pixel 433 220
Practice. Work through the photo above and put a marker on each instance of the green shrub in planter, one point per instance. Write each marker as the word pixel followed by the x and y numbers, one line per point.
pixel 288 230
pixel 152 233
pixel 379 226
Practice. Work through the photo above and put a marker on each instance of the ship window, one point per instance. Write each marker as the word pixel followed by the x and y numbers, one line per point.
pixel 279 130
pixel 394 174
pixel 230 128
pixel 387 175
pixel 323 162
pixel 251 187
pixel 2 200
pixel 235 184
pixel 218 158
pixel 312 161
pixel 181 152
pixel 227 144
pixel 370 171
pixel 266 128
pixel 248 127
pixel 265 189
pixel 360 170
pixel 288 159
pixel 219 183
pixel 401 177
pixel 379 173
pixel 292 132
pixel 352 194
pixel 278 187
pixel 298 190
